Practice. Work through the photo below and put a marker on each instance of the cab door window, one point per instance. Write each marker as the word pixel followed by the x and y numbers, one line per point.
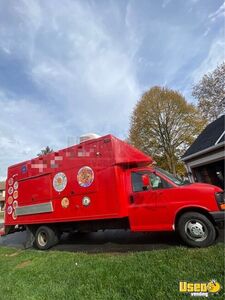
pixel 137 184
pixel 157 182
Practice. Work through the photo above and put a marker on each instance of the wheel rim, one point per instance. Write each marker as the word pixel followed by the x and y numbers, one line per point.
pixel 196 230
pixel 42 239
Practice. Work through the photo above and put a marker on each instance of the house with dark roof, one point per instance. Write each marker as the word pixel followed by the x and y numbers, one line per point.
pixel 204 159
pixel 2 194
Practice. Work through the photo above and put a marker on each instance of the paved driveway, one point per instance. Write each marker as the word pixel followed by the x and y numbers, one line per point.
pixel 105 242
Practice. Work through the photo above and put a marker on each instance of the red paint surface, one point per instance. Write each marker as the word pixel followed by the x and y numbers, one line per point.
pixel 112 162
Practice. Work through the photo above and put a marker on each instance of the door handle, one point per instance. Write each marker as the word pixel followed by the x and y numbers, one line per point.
pixel 131 199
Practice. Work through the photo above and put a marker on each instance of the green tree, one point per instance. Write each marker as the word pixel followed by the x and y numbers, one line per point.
pixel 163 125
pixel 45 151
pixel 210 93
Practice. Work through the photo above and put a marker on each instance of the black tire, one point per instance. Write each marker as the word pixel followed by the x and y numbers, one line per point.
pixel 196 230
pixel 45 237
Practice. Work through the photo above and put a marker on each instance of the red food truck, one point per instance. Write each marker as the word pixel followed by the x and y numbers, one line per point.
pixel 105 183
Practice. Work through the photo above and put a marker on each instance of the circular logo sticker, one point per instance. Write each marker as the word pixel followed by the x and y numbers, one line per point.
pixel 10 190
pixel 10 181
pixel 15 186
pixel 10 200
pixel 59 182
pixel 14 215
pixel 65 202
pixel 9 210
pixel 86 201
pixel 15 204
pixel 15 194
pixel 85 176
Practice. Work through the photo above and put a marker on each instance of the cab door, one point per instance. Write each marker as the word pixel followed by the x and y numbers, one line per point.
pixel 148 205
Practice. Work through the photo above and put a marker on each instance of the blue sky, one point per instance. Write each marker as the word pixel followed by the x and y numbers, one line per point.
pixel 71 67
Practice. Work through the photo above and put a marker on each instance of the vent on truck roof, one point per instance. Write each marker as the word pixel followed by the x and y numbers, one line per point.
pixel 88 136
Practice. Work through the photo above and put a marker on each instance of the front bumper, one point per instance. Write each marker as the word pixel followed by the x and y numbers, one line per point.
pixel 218 216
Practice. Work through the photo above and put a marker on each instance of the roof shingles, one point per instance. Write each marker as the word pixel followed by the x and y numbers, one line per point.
pixel 208 137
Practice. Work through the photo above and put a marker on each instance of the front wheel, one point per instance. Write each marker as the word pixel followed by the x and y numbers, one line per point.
pixel 196 230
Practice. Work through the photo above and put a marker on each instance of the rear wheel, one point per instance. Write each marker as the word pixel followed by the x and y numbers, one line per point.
pixel 46 237
pixel 196 229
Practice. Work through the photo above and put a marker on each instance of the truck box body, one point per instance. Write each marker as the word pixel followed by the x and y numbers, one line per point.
pixel 49 188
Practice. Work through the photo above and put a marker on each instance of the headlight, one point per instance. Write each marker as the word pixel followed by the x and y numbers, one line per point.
pixel 220 200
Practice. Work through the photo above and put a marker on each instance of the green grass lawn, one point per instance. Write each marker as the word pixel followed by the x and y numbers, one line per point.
pixel 32 274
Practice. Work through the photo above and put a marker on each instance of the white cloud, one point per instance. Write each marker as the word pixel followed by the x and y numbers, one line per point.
pixel 220 12
pixel 25 129
pixel 216 55
pixel 165 3
pixel 206 32
pixel 85 72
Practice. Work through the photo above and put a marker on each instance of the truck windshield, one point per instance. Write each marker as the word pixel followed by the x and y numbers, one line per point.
pixel 174 179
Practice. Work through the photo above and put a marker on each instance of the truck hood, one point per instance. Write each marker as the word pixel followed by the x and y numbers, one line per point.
pixel 203 186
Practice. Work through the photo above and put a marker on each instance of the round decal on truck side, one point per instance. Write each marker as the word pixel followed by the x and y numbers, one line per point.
pixel 15 186
pixel 85 176
pixel 15 204
pixel 59 182
pixel 9 210
pixel 10 181
pixel 10 200
pixel 10 190
pixel 65 202
pixel 86 201
pixel 14 215
pixel 15 194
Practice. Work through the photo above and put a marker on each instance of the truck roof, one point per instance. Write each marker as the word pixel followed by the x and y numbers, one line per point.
pixel 107 147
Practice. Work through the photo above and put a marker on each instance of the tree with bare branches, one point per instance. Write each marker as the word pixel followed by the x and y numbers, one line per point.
pixel 210 93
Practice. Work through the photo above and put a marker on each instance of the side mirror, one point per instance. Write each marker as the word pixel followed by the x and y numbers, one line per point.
pixel 186 181
pixel 145 181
